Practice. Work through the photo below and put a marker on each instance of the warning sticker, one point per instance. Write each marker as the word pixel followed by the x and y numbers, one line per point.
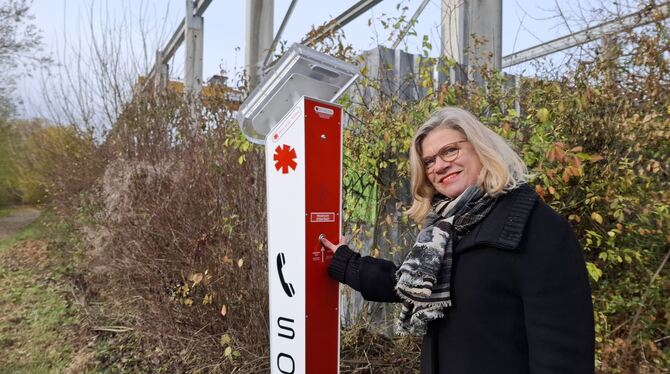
pixel 322 217
pixel 291 119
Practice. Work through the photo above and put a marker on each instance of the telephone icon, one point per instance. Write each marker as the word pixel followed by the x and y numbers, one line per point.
pixel 288 287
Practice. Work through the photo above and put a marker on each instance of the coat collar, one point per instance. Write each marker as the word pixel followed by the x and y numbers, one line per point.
pixel 503 228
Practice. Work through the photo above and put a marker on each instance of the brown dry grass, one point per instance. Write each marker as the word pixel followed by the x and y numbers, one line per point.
pixel 177 236
pixel 364 351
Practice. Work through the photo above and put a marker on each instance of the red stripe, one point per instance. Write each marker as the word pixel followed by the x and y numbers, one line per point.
pixel 323 167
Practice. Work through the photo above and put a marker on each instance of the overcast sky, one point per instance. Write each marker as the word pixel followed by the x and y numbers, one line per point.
pixel 66 27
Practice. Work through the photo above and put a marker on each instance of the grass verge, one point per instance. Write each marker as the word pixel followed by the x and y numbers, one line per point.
pixel 5 211
pixel 35 318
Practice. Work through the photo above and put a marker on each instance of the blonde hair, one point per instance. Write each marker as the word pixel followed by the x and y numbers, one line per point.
pixel 502 168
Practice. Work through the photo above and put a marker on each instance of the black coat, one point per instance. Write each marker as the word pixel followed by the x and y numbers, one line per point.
pixel 521 297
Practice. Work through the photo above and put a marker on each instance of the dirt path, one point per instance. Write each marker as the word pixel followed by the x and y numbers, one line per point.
pixel 18 218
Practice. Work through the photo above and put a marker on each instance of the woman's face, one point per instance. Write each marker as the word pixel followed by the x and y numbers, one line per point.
pixel 450 178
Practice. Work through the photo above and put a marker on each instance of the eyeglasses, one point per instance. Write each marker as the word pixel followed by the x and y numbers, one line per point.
pixel 447 153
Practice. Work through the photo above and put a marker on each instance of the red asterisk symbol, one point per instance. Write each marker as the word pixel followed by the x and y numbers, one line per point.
pixel 284 158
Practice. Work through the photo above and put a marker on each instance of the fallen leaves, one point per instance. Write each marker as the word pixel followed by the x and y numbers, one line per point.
pixel 224 310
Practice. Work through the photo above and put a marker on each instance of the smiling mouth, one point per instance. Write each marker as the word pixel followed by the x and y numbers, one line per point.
pixel 447 178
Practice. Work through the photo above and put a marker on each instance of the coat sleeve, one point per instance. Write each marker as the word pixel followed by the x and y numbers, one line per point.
pixel 556 296
pixel 374 278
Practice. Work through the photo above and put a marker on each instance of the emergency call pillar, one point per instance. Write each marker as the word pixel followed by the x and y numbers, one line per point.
pixel 303 156
pixel 292 112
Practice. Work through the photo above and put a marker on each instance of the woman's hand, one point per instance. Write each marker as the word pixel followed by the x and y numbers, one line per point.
pixel 329 245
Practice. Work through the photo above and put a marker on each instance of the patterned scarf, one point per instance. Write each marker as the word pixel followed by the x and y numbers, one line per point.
pixel 424 278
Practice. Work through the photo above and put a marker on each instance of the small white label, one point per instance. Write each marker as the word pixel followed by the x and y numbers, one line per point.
pixel 322 217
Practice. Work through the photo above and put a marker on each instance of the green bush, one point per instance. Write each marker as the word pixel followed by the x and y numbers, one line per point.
pixel 8 192
pixel 597 142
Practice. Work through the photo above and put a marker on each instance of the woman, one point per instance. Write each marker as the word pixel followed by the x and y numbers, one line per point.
pixel 496 281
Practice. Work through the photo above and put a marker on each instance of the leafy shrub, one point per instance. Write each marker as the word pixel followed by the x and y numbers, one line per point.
pixel 42 161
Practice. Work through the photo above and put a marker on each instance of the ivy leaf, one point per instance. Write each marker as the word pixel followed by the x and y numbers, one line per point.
pixel 594 272
pixel 597 217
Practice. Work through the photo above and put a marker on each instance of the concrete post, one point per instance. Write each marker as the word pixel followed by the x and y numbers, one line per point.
pixel 258 37
pixel 194 49
pixel 161 78
pixel 472 32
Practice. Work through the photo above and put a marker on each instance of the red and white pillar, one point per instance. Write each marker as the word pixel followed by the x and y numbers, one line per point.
pixel 303 154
